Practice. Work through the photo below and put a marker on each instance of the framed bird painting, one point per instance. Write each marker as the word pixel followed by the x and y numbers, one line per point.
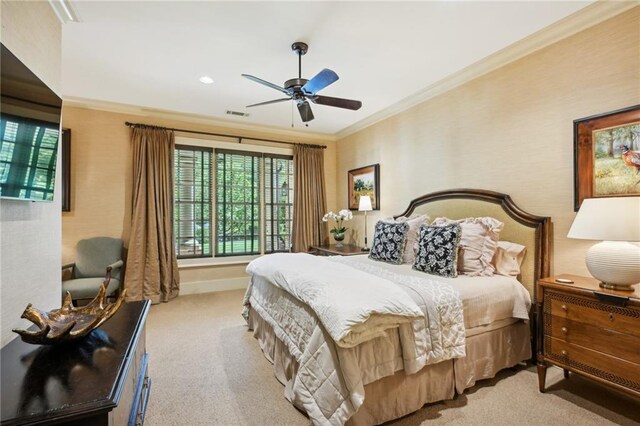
pixel 607 155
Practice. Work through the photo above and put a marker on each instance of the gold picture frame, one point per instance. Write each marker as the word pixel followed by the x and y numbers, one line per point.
pixel 364 181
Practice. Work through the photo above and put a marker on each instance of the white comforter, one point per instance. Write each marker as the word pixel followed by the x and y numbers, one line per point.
pixel 352 309
pixel 355 303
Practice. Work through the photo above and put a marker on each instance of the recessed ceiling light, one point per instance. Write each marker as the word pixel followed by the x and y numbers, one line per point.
pixel 206 79
pixel 64 10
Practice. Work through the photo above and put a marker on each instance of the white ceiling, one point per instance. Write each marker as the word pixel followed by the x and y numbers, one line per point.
pixel 151 54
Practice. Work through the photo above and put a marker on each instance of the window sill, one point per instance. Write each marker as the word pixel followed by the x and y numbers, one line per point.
pixel 215 261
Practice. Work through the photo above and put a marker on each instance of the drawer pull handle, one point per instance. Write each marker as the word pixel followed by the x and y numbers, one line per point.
pixel 611 318
pixel 564 330
pixel 564 307
pixel 564 353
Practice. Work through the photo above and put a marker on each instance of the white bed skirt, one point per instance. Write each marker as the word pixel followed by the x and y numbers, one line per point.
pixel 487 353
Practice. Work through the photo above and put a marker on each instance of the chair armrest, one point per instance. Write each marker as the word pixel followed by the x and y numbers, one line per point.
pixel 68 265
pixel 114 265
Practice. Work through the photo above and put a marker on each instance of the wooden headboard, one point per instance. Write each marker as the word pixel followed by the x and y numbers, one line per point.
pixel 533 232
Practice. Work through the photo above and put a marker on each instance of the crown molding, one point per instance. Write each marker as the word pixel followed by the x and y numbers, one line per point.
pixel 587 17
pixel 230 125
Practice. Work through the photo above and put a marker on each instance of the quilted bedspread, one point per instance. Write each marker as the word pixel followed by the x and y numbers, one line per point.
pixel 329 383
pixel 352 309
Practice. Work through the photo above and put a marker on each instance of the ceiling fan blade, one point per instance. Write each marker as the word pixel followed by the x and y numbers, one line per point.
pixel 336 102
pixel 305 111
pixel 269 102
pixel 265 83
pixel 320 81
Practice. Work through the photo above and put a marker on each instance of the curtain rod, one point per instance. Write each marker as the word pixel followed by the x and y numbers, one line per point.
pixel 197 132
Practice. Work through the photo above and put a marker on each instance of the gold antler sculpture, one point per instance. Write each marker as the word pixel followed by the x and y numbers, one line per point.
pixel 69 323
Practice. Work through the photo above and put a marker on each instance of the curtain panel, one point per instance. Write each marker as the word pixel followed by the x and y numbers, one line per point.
pixel 310 200
pixel 152 267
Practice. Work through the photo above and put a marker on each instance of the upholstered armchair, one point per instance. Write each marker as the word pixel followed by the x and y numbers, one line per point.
pixel 97 260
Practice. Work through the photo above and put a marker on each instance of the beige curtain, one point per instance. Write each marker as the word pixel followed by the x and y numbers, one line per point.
pixel 310 199
pixel 152 268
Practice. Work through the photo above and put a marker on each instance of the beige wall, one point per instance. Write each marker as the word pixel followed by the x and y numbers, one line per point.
pixel 30 232
pixel 510 130
pixel 101 179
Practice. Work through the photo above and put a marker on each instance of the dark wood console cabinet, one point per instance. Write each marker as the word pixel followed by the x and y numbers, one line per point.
pixel 100 380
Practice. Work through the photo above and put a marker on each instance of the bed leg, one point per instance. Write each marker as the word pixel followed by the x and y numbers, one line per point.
pixel 566 373
pixel 542 375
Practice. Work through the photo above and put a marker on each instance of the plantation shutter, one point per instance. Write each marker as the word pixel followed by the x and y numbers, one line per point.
pixel 28 158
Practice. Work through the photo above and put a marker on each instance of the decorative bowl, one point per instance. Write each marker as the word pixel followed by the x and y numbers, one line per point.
pixel 69 323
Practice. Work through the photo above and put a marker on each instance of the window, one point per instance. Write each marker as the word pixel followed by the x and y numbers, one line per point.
pixel 278 194
pixel 192 201
pixel 249 196
pixel 237 203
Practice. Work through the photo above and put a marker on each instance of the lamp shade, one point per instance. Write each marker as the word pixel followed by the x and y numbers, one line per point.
pixel 365 204
pixel 607 219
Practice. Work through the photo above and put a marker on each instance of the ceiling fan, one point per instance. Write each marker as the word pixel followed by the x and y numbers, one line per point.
pixel 301 91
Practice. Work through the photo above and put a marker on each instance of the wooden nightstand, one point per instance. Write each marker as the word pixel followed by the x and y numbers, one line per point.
pixel 333 250
pixel 590 331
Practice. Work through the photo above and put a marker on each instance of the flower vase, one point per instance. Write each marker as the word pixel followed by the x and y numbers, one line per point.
pixel 339 237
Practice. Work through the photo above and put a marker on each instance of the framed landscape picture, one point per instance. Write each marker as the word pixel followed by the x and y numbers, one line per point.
pixel 607 155
pixel 364 181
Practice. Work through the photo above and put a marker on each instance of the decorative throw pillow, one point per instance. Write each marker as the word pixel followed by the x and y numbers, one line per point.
pixel 478 244
pixel 411 246
pixel 438 250
pixel 389 240
pixel 508 258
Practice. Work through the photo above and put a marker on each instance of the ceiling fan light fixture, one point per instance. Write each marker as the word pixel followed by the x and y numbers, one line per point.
pixel 301 90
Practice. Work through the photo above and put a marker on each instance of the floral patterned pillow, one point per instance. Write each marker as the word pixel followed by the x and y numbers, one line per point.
pixel 438 250
pixel 389 240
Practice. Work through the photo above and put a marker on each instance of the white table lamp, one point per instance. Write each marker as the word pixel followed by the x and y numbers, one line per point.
pixel 616 221
pixel 365 206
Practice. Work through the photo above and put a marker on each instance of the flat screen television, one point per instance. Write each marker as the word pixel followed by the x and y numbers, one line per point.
pixel 29 132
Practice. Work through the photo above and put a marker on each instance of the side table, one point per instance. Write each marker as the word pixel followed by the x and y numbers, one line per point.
pixel 334 250
pixel 589 330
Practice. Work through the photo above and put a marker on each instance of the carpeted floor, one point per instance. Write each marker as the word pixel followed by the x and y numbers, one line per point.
pixel 206 369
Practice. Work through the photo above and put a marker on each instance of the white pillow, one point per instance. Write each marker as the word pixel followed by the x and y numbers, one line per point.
pixel 478 244
pixel 413 235
pixel 508 258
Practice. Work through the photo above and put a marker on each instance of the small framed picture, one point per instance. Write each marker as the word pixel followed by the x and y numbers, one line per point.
pixel 607 155
pixel 364 181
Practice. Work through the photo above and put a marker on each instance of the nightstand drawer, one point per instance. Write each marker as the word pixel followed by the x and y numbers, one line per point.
pixel 610 342
pixel 594 363
pixel 591 311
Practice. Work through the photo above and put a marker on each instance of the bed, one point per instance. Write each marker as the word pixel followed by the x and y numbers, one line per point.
pixel 371 380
